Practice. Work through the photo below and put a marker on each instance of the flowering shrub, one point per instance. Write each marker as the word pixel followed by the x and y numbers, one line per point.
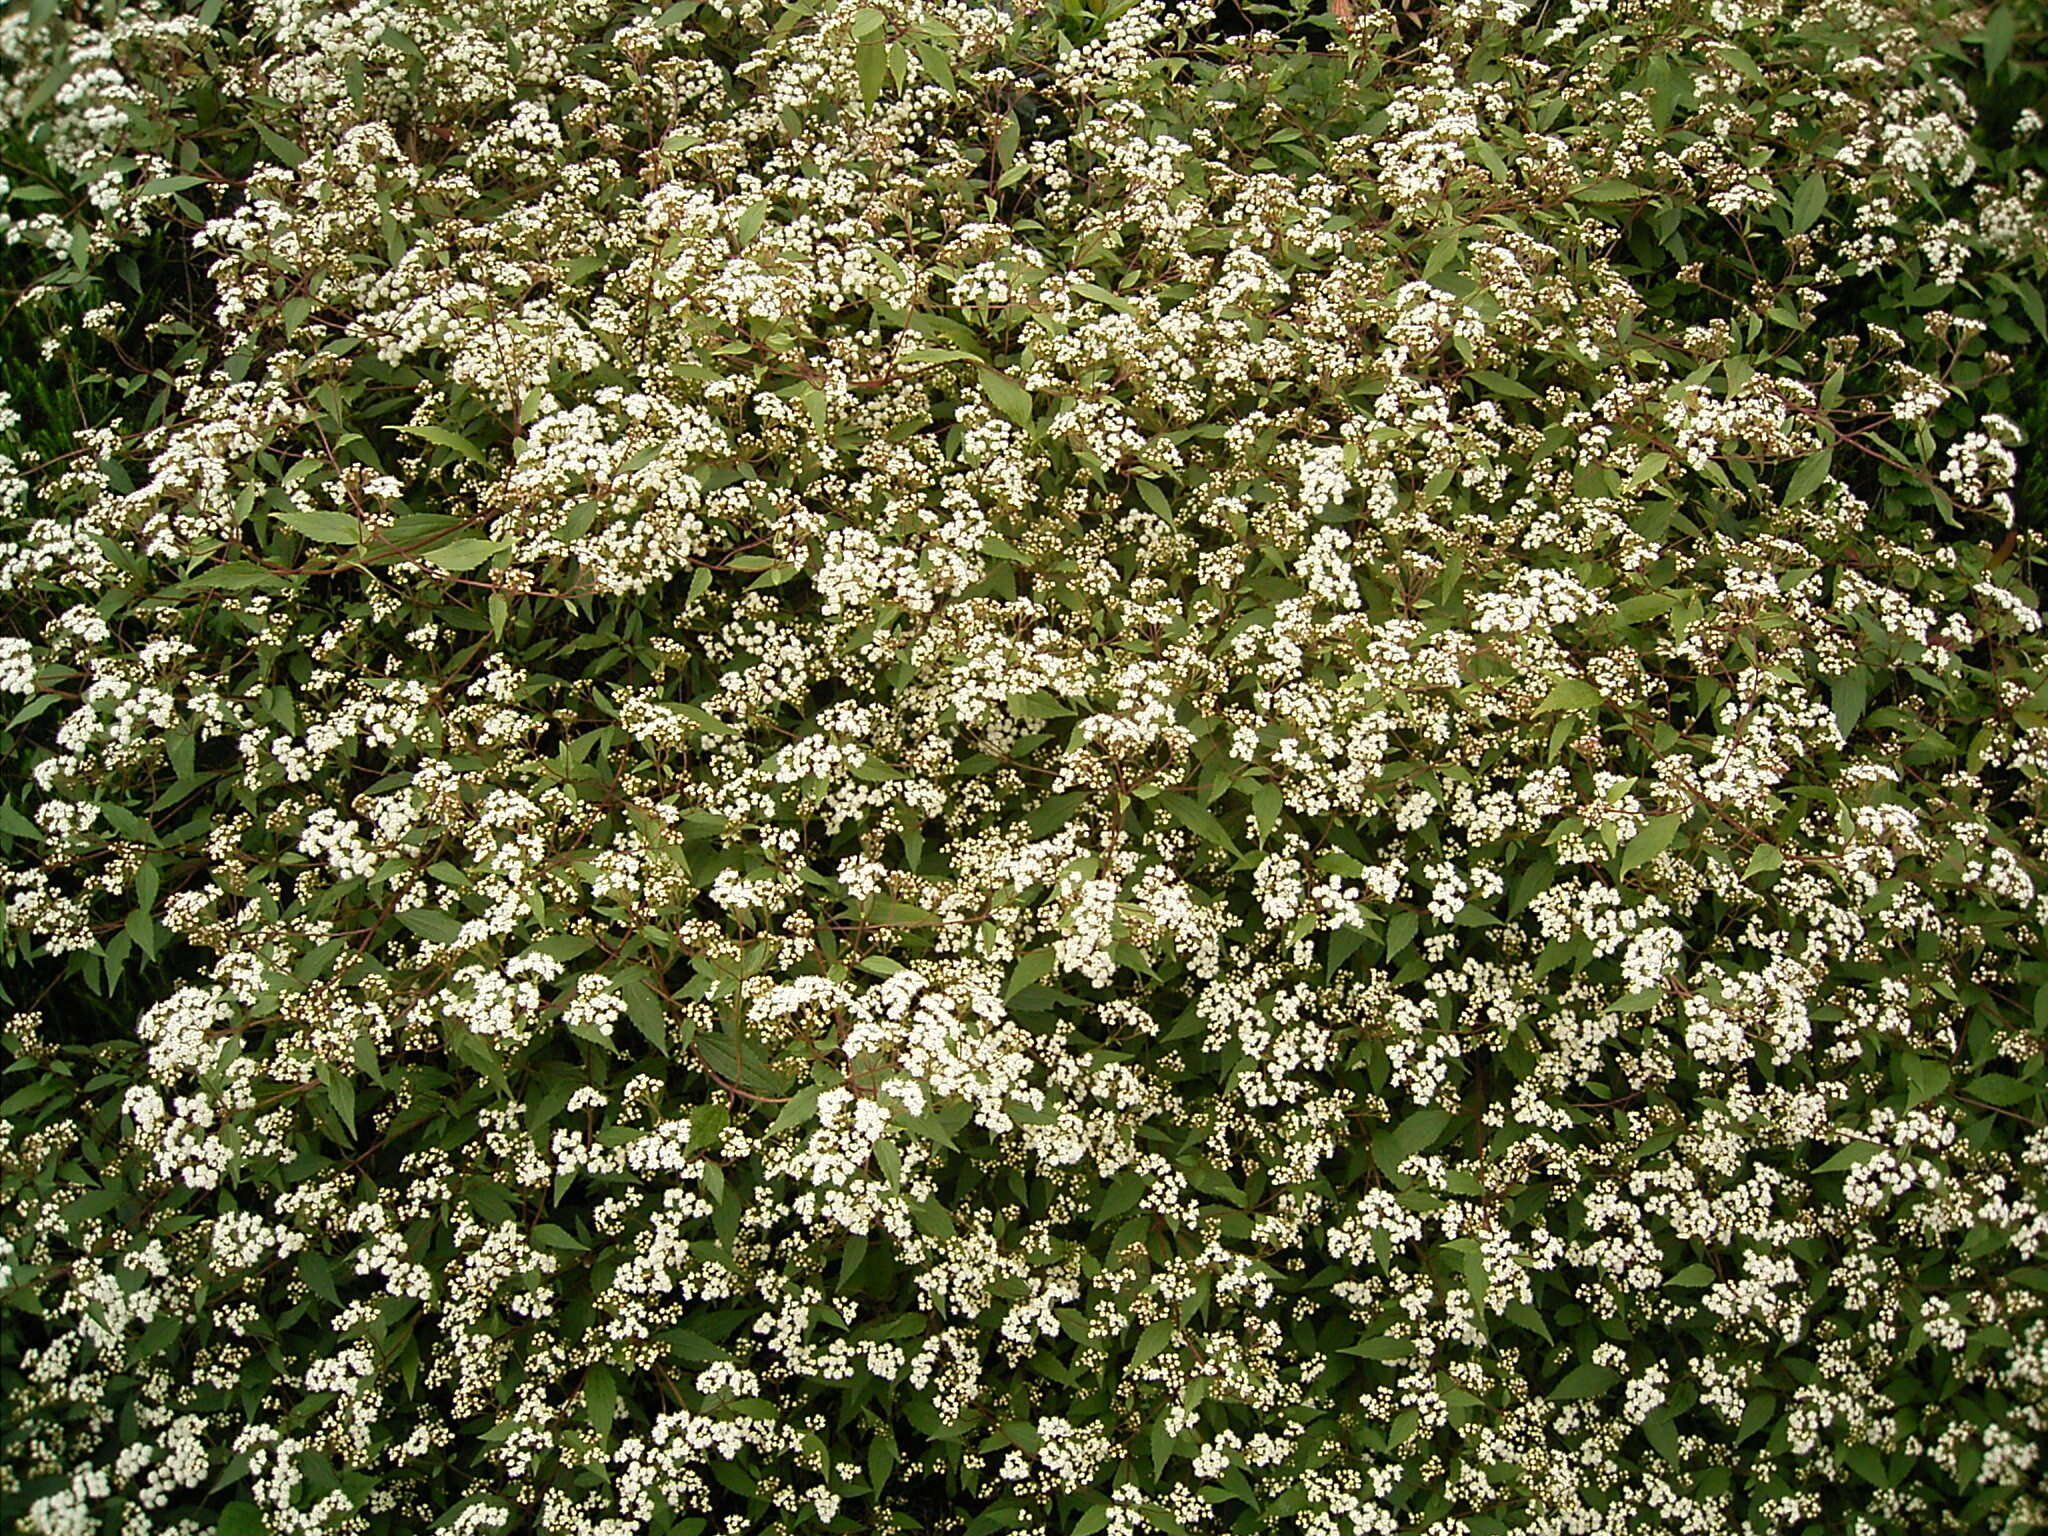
pixel 940 767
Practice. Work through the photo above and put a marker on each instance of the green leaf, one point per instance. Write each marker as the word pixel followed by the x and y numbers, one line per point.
pixel 1610 192
pixel 231 576
pixel 1652 840
pixel 601 1392
pixel 1476 1279
pixel 442 437
pixel 27 1097
pixel 325 527
pixel 1758 1412
pixel 1648 468
pixel 801 1109
pixel 1850 693
pixel 1501 384
pixel 1032 967
pixel 707 1124
pixel 1997 1088
pixel 1414 1134
pixel 1926 1079
pixel 1808 202
pixel 1855 1153
pixel 1382 1348
pixel 2000 28
pixel 1587 1380
pixel 242 1518
pixel 1806 479
pixel 1401 929
pixel 341 1094
pixel 871 64
pixel 1570 693
pixel 1037 706
pixel 750 221
pixel 463 554
pixel 646 1012
pixel 1006 395
pixel 1156 1337
pixel 936 66
pixel 158 186
pixel 1267 804
pixel 1663 1438
pixel 1198 821
pixel 882 1458
pixel 435 927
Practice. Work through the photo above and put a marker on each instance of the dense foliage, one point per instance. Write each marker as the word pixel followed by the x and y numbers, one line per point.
pixel 925 766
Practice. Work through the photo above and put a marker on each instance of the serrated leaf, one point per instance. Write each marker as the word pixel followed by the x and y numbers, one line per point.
pixel 1006 395
pixel 936 66
pixel 1401 928
pixel 326 527
pixel 1758 1412
pixel 1031 968
pixel 1806 479
pixel 1570 693
pixel 341 1095
pixel 1808 202
pixel 463 554
pixel 231 576
pixel 1663 1437
pixel 750 221
pixel 871 64
pixel 436 927
pixel 1857 1152
pixel 1267 803
pixel 646 1012
pixel 1648 468
pixel 1155 1338
pixel 1653 839
pixel 1925 1079
pixel 882 1459
pixel 2000 28
pixel 1501 384
pixel 707 1124
pixel 801 1108
pixel 2000 1089
pixel 1198 820
pixel 1414 1134
pixel 443 437
pixel 601 1392
pixel 1382 1348
pixel 1849 694
pixel 1587 1380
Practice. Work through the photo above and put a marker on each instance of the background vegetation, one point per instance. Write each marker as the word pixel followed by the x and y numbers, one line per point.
pixel 866 767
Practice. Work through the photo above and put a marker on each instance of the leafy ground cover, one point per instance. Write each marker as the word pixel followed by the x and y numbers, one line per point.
pixel 1079 767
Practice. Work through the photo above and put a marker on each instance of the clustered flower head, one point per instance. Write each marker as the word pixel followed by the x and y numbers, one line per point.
pixel 926 765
